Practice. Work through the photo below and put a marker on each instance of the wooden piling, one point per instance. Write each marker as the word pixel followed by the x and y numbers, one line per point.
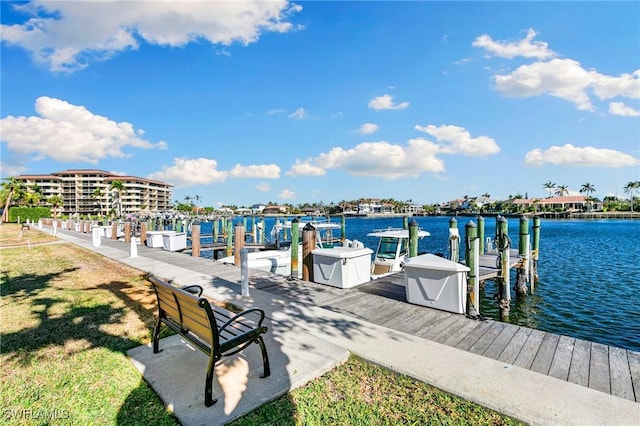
pixel 114 230
pixel 238 242
pixel 523 251
pixel 472 251
pixel 262 229
pixel 413 238
pixel 179 225
pixel 454 240
pixel 143 233
pixel 504 277
pixel 195 240
pixel 295 237
pixel 127 232
pixel 216 223
pixel 535 253
pixel 229 236
pixel 405 222
pixel 481 234
pixel 308 244
pixel 343 229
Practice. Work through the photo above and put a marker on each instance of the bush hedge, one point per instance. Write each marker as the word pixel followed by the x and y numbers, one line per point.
pixel 31 213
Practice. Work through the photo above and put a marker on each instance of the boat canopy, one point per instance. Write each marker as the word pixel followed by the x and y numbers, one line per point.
pixel 396 233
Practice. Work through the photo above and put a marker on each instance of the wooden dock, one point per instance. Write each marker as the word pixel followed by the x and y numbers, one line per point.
pixel 608 369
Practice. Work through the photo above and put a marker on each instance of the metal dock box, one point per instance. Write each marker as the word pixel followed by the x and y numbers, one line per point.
pixel 342 267
pixel 436 282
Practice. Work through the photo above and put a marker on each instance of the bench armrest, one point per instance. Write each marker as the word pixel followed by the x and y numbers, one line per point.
pixel 193 289
pixel 242 314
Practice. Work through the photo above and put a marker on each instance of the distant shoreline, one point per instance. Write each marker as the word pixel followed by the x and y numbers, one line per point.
pixel 544 215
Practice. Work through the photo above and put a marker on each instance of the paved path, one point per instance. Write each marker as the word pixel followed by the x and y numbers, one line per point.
pixel 308 339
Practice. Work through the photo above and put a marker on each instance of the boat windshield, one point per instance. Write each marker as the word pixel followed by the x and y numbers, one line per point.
pixel 389 246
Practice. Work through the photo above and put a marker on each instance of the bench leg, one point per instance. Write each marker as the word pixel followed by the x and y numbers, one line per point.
pixel 208 385
pixel 156 334
pixel 266 370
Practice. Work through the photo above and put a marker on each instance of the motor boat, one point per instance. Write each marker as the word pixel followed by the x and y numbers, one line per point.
pixel 392 249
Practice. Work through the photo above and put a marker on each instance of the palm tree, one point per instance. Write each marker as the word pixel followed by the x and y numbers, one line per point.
pixel 13 187
pixel 587 188
pixel 561 190
pixel 118 188
pixel 56 203
pixel 549 186
pixel 98 194
pixel 630 188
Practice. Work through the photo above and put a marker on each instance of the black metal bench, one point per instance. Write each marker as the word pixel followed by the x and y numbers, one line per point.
pixel 215 331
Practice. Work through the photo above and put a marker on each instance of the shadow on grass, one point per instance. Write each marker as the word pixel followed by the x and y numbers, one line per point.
pixel 27 285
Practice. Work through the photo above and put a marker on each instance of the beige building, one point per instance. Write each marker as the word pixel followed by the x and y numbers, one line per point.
pixel 89 191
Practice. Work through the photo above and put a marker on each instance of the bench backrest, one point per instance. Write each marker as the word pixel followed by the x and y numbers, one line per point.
pixel 187 314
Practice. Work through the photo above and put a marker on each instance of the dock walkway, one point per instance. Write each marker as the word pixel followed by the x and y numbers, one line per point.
pixel 578 363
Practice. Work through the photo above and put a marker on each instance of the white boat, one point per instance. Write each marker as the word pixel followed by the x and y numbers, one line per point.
pixel 393 246
pixel 278 260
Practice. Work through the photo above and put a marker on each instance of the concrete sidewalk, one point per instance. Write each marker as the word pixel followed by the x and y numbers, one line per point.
pixel 306 341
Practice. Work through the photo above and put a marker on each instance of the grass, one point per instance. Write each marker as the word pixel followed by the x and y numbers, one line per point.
pixel 12 235
pixel 68 316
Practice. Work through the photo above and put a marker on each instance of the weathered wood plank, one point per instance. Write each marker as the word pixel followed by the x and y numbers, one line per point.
pixel 599 378
pixel 460 321
pixel 620 374
pixel 542 361
pixel 529 349
pixel 561 362
pixel 634 369
pixel 487 338
pixel 454 338
pixel 580 361
pixel 501 342
pixel 442 325
pixel 515 345
pixel 416 320
pixel 474 335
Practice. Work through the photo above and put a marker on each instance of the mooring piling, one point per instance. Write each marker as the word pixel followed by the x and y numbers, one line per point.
pixel 504 277
pixel 472 259
pixel 523 252
pixel 295 240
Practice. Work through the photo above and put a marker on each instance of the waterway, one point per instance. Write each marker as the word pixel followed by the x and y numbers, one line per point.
pixel 589 273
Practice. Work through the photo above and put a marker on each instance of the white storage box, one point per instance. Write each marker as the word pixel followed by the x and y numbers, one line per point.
pixel 342 267
pixel 436 282
pixel 174 241
pixel 155 239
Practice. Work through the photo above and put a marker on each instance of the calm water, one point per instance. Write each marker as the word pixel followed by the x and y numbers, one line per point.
pixel 589 273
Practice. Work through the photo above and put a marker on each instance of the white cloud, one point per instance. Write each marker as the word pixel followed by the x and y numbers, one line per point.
pixel 299 114
pixel 287 195
pixel 187 172
pixel 368 129
pixel 386 102
pixel 625 85
pixel 457 140
pixel 275 111
pixel 263 187
pixel 525 47
pixel 70 133
pixel 57 33
pixel 619 108
pixel 384 159
pixel 305 168
pixel 561 78
pixel 588 156
pixel 263 171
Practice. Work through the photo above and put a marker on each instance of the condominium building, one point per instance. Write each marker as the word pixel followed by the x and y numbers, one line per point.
pixel 93 192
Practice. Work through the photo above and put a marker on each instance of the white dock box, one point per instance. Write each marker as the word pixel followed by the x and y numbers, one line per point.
pixel 436 282
pixel 342 267
pixel 155 239
pixel 174 241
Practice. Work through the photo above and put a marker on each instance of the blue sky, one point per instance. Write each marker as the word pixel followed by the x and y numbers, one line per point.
pixel 251 102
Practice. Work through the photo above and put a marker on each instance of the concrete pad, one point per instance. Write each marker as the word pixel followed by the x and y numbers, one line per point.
pixel 177 374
